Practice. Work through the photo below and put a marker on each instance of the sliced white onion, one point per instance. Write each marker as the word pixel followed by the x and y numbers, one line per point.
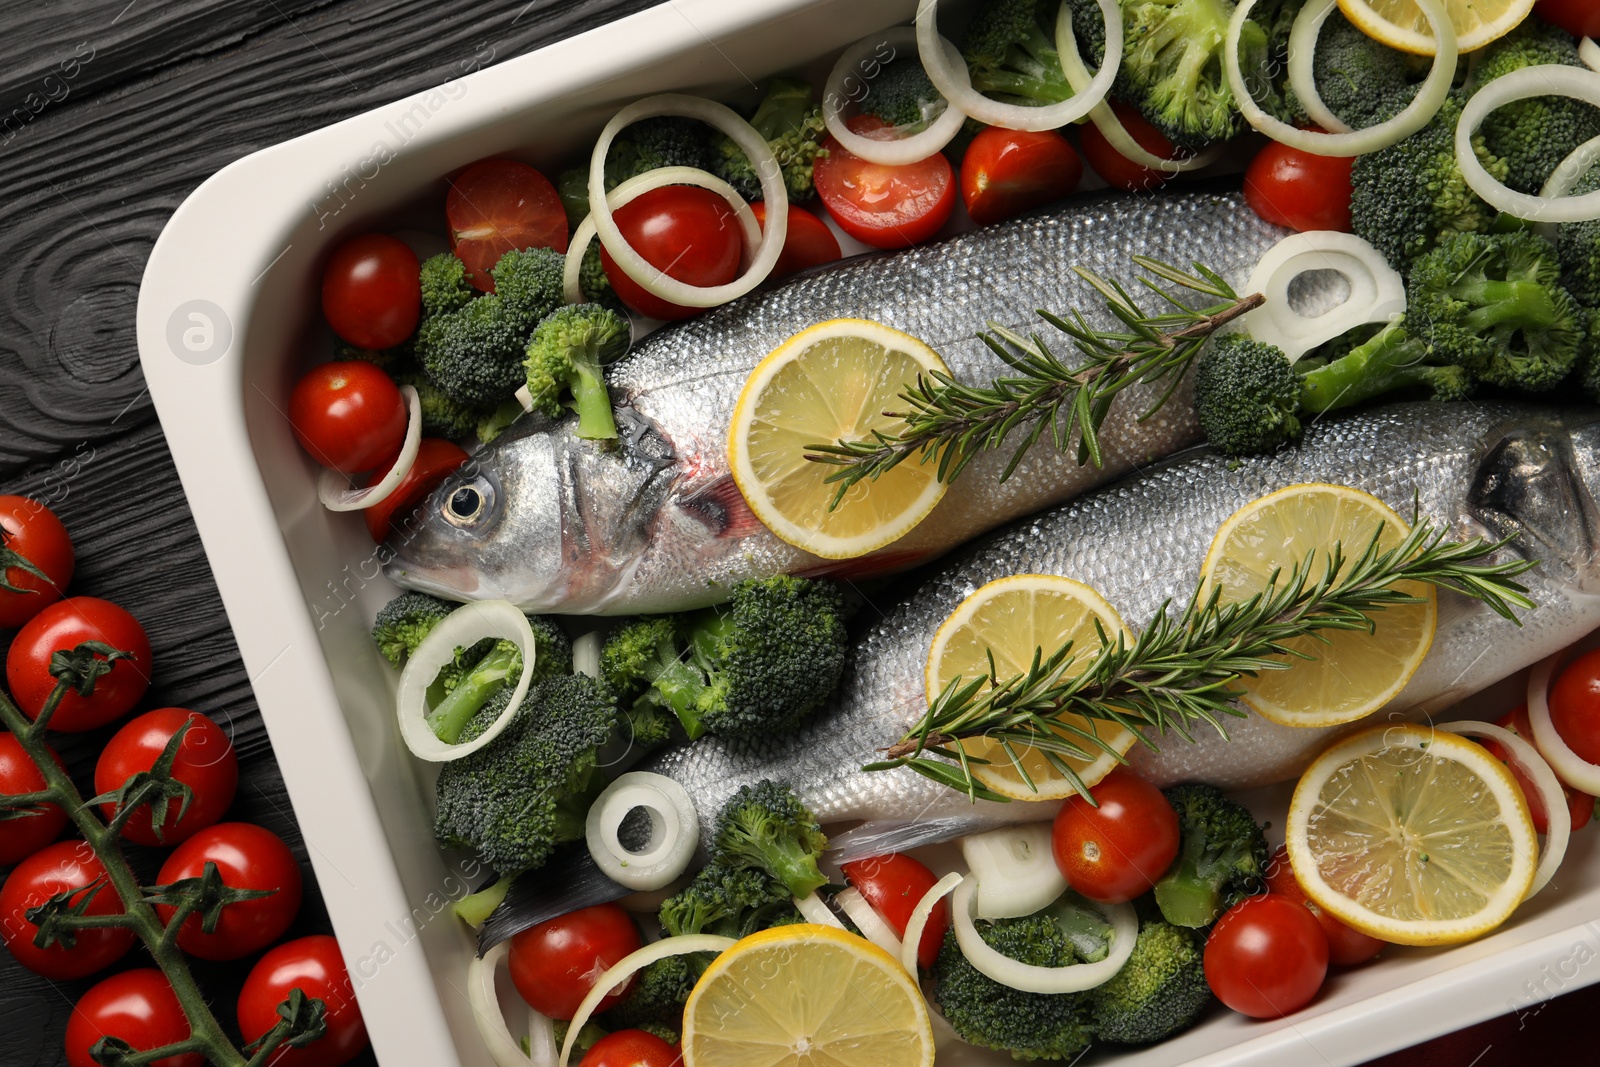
pixel 1015 869
pixel 1544 80
pixel 1565 178
pixel 1416 115
pixel 336 494
pixel 674 830
pixel 1377 292
pixel 1572 768
pixel 768 244
pixel 542 1048
pixel 586 653
pixel 816 910
pixel 869 922
pixel 918 922
pixel 894 152
pixel 629 965
pixel 485 1003
pixel 953 81
pixel 1302 64
pixel 1589 52
pixel 1558 820
pixel 1073 978
pixel 462 628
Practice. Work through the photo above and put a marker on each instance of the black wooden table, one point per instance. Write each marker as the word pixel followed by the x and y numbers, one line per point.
pixel 111 113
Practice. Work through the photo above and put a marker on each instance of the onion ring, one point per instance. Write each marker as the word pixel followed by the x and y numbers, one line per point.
pixel 898 151
pixel 1558 820
pixel 1302 64
pixel 1544 80
pixel 918 922
pixel 462 628
pixel 1015 870
pixel 815 910
pixel 485 1003
pixel 1377 292
pixel 1417 114
pixel 1073 978
pixel 765 164
pixel 336 495
pixel 957 86
pixel 674 830
pixel 1572 768
pixel 1565 178
pixel 869 922
pixel 1589 52
pixel 542 1049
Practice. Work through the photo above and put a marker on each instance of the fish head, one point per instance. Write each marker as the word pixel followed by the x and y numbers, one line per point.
pixel 539 517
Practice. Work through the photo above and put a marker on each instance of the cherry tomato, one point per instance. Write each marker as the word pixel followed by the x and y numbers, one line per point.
pixel 348 416
pixel 497 205
pixel 555 964
pixel 314 966
pixel 810 243
pixel 1581 18
pixel 1575 705
pixel 688 234
pixel 1580 806
pixel 59 868
pixel 205 762
pixel 1116 852
pixel 62 627
pixel 1346 947
pixel 1298 189
pixel 436 459
pixel 30 532
pixel 23 835
pixel 138 1006
pixel 1266 957
pixel 1119 171
pixel 632 1048
pixel 247 857
pixel 371 291
pixel 893 885
pixel 885 207
pixel 1007 172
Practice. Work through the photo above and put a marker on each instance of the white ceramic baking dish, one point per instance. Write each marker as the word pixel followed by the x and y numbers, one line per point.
pixel 228 313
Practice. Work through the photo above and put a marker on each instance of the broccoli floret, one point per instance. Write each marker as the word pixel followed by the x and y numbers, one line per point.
pixel 653 143
pixel 729 899
pixel 1160 990
pixel 474 351
pixel 1407 197
pixel 764 826
pixel 1361 81
pixel 1578 244
pixel 1246 396
pixel 587 1038
pixel 1588 369
pixel 1492 303
pixel 442 414
pixel 1391 360
pixel 792 125
pixel 1172 67
pixel 563 360
pixel 404 622
pixel 1533 135
pixel 902 95
pixel 1030 1026
pixel 756 667
pixel 493 422
pixel 498 668
pixel 445 285
pixel 1222 856
pixel 1010 49
pixel 592 274
pixel 657 996
pixel 573 188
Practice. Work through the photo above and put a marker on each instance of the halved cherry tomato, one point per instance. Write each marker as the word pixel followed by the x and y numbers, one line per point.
pixel 1575 705
pixel 314 966
pixel 137 1006
pixel 1006 172
pixel 371 293
pixel 1119 171
pixel 24 834
pixel 349 416
pixel 1580 805
pixel 893 885
pixel 689 234
pixel 66 866
pixel 205 762
pixel 810 243
pixel 1581 18
pixel 247 857
pixel 885 207
pixel 1115 852
pixel 1298 189
pixel 632 1048
pixel 436 459
pixel 497 205
pixel 555 964
pixel 61 627
pixel 31 534
pixel 1346 947
pixel 1266 957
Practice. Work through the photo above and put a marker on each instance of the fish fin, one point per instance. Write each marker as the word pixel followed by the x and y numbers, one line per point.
pixel 882 838
pixel 888 561
pixel 568 881
pixel 723 509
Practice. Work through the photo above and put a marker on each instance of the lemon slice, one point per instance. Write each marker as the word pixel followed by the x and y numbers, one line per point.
pixel 806 996
pixel 831 382
pixel 1411 835
pixel 1401 23
pixel 1010 618
pixel 1355 672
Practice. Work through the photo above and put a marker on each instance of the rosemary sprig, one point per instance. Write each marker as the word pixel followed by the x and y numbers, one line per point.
pixel 952 423
pixel 1180 670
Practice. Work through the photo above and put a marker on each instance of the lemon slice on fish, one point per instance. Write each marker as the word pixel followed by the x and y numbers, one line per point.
pixel 804 995
pixel 1412 835
pixel 1354 672
pixel 1008 619
pixel 1401 23
pixel 831 382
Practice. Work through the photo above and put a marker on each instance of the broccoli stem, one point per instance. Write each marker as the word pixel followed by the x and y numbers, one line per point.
pixel 1524 304
pixel 796 868
pixel 680 685
pixel 592 401
pixel 476 907
pixel 1047 83
pixel 1389 361
pixel 473 691
pixel 784 108
pixel 1187 898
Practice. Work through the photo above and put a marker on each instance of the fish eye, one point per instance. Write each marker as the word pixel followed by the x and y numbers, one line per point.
pixel 466 505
